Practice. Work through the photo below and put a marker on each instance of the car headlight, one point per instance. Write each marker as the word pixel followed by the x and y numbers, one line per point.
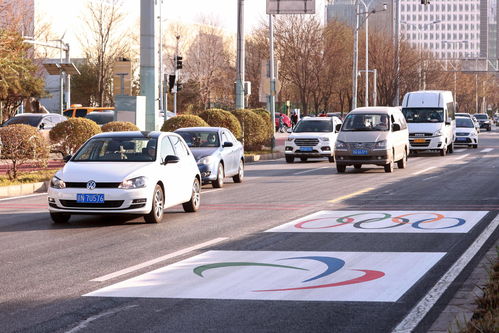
pixel 137 182
pixel 340 145
pixel 206 160
pixel 324 139
pixel 58 183
pixel 380 145
pixel 438 133
pixel 290 139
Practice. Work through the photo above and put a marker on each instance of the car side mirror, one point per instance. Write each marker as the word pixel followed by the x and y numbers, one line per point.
pixel 290 130
pixel 227 144
pixel 448 122
pixel 395 127
pixel 41 126
pixel 67 158
pixel 338 127
pixel 171 159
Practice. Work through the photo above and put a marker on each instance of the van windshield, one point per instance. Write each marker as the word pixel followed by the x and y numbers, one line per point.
pixel 423 115
pixel 314 126
pixel 366 122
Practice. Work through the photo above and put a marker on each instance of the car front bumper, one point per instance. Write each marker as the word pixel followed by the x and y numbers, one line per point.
pixel 316 151
pixel 208 172
pixel 466 140
pixel 116 201
pixel 377 157
pixel 426 143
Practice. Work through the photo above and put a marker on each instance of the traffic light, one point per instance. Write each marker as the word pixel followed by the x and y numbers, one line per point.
pixel 178 62
pixel 171 82
pixel 425 2
pixel 179 86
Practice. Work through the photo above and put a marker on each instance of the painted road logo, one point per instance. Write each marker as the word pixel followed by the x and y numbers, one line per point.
pixel 381 221
pixel 276 275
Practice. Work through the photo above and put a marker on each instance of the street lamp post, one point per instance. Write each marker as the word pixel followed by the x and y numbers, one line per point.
pixel 358 25
pixel 454 56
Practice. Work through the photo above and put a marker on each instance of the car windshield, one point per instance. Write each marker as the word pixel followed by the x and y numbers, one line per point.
pixel 366 122
pixel 197 139
pixel 423 115
pixel 28 120
pixel 464 122
pixel 100 118
pixel 481 116
pixel 313 126
pixel 118 149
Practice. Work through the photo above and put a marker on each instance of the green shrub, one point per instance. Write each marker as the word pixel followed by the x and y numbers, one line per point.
pixel 183 120
pixel 69 135
pixel 269 128
pixel 253 127
pixel 119 126
pixel 222 118
pixel 23 144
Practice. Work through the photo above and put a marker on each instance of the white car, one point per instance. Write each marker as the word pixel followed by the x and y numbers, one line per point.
pixel 466 133
pixel 313 138
pixel 126 173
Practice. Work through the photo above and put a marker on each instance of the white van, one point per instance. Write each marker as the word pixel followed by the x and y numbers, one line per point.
pixel 431 119
pixel 373 135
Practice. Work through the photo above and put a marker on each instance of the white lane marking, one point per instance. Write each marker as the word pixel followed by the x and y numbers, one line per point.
pixel 462 156
pixel 424 170
pixel 430 178
pixel 84 323
pixel 458 150
pixel 155 261
pixel 307 171
pixel 209 191
pixel 486 150
pixel 409 323
pixel 24 196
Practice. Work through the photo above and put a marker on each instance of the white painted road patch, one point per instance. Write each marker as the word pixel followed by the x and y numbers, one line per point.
pixel 385 222
pixel 280 275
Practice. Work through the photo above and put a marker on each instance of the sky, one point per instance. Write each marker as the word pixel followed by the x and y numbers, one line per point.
pixel 224 10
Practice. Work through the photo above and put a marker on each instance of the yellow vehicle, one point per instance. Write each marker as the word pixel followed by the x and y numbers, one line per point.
pixel 77 110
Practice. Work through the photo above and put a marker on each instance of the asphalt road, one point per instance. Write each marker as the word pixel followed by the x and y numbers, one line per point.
pixel 218 269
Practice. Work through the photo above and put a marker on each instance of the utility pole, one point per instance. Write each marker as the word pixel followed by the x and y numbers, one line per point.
pixel 240 56
pixel 176 77
pixel 396 32
pixel 272 73
pixel 355 55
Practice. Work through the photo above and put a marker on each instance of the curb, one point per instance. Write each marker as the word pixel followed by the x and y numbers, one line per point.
pixel 23 189
pixel 263 157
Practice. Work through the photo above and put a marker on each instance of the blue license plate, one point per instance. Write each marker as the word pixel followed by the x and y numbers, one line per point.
pixel 460 139
pixel 306 148
pixel 90 198
pixel 360 151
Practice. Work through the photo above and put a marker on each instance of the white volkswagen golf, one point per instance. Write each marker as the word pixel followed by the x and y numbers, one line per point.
pixel 126 173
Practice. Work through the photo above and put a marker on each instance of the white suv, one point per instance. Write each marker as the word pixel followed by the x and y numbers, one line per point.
pixel 313 138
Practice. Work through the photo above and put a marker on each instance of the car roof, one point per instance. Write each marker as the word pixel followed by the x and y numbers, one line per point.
pixel 200 129
pixel 318 118
pixel 129 134
pixel 35 114
pixel 375 109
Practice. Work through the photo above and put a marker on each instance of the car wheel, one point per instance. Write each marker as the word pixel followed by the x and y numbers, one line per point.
pixel 357 166
pixel 219 182
pixel 60 218
pixel 240 174
pixel 389 167
pixel 331 159
pixel 402 164
pixel 158 206
pixel 192 205
pixel 303 159
pixel 450 149
pixel 341 168
pixel 290 159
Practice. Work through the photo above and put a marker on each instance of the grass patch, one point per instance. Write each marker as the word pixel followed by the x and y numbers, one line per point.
pixel 28 177
pixel 257 152
pixel 486 316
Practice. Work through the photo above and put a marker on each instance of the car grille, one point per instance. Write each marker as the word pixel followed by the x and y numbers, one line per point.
pixel 419 144
pixel 306 142
pixel 462 134
pixel 361 158
pixel 468 140
pixel 99 185
pixel 361 145
pixel 105 204
pixel 419 135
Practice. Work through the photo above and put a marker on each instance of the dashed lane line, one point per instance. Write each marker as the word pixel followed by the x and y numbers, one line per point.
pixel 462 156
pixel 486 150
pixel 157 260
pixel 412 320
pixel 423 171
pixel 307 171
pixel 351 195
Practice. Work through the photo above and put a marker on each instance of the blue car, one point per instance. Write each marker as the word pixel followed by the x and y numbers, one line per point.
pixel 218 153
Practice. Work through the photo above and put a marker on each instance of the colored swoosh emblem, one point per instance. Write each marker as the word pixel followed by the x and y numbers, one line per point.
pixel 333 265
pixel 369 275
pixel 200 269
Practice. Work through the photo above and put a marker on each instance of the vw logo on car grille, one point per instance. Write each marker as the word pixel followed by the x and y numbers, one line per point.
pixel 359 145
pixel 91 185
